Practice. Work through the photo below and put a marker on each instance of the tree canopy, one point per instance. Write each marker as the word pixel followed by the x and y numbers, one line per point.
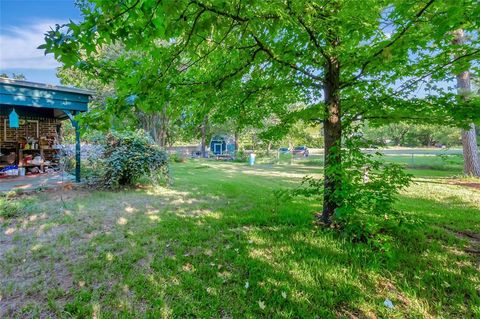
pixel 343 61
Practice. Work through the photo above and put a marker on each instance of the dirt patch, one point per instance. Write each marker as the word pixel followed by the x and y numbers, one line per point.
pixel 467 184
pixel 473 239
pixel 35 258
pixel 471 236
pixel 38 249
pixel 355 314
pixel 31 269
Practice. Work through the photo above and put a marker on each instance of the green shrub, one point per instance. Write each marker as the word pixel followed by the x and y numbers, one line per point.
pixel 369 188
pixel 177 157
pixel 131 156
pixel 240 156
pixel 367 213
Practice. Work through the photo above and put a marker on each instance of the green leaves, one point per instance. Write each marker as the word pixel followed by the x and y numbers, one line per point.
pixel 249 62
pixel 130 156
pixel 184 44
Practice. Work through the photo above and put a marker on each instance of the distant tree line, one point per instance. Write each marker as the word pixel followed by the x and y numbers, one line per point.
pixel 414 135
pixel 15 76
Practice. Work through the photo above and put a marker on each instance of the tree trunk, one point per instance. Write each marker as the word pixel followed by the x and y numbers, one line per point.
pixel 332 128
pixel 163 126
pixel 150 120
pixel 471 162
pixel 156 124
pixel 204 136
pixel 236 140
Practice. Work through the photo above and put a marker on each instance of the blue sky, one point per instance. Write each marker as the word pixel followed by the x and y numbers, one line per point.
pixel 22 25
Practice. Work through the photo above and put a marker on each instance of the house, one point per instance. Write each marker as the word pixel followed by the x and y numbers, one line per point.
pixel 31 118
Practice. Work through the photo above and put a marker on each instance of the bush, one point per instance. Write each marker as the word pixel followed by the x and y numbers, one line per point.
pixel 368 194
pixel 369 188
pixel 131 156
pixel 177 157
pixel 240 156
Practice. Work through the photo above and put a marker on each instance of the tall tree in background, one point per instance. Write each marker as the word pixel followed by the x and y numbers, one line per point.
pixel 346 61
pixel 15 76
pixel 471 161
pixel 158 121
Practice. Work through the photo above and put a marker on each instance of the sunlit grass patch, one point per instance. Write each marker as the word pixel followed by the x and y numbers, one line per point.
pixel 212 246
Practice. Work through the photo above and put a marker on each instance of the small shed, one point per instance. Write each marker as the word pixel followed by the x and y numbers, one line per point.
pixel 222 145
pixel 31 115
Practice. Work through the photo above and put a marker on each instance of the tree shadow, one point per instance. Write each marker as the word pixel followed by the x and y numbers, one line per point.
pixel 193 251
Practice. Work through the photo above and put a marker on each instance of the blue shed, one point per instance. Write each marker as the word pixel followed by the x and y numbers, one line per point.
pixel 222 145
pixel 218 145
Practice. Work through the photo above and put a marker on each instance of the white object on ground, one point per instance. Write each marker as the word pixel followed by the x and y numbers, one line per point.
pixel 389 304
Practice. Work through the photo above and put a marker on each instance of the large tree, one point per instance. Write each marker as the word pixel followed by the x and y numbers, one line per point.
pixel 345 60
pixel 471 161
pixel 153 116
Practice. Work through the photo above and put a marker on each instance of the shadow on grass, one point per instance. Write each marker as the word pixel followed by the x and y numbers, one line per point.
pixel 200 266
pixel 212 247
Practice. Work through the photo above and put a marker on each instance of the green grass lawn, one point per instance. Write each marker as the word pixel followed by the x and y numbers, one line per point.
pixel 216 244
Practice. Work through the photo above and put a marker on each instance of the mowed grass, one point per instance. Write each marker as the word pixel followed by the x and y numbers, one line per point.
pixel 217 244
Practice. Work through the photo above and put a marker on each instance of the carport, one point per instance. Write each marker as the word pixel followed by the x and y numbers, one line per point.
pixel 31 117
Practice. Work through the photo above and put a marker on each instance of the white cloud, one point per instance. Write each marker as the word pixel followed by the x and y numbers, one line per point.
pixel 18 47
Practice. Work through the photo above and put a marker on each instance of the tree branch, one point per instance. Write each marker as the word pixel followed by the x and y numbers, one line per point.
pixel 123 12
pixel 272 56
pixel 235 17
pixel 406 86
pixel 219 81
pixel 238 70
pixel 189 36
pixel 391 43
pixel 438 68
pixel 151 15
pixel 217 44
pixel 310 33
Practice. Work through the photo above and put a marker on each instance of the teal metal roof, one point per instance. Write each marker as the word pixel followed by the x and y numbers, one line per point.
pixel 38 95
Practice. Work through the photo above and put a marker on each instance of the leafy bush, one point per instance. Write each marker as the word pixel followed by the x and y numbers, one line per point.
pixel 240 156
pixel 177 157
pixel 367 194
pixel 130 156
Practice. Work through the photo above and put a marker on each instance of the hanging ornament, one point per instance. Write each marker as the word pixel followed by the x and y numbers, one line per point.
pixel 13 119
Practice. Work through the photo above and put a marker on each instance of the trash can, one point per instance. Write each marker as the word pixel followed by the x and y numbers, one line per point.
pixel 252 159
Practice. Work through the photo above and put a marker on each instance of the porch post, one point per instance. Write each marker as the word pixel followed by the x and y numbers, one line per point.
pixel 76 126
pixel 77 150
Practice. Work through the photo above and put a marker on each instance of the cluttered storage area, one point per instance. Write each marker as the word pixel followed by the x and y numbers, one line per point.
pixel 29 141
pixel 31 119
